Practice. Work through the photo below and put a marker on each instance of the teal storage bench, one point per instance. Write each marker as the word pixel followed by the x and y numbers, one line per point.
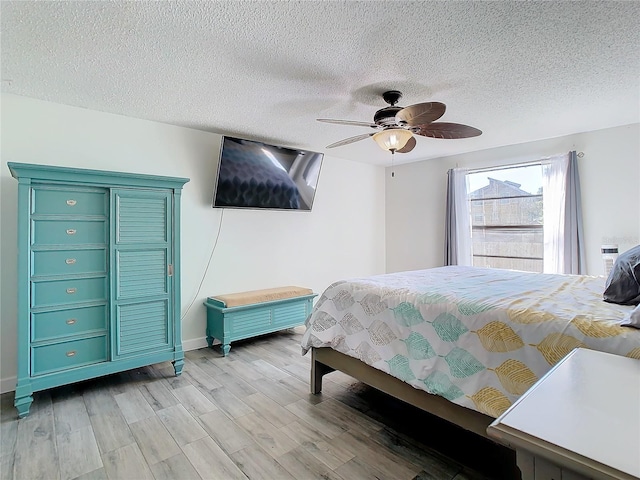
pixel 243 315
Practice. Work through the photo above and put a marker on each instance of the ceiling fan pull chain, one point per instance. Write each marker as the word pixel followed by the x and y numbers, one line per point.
pixel 393 173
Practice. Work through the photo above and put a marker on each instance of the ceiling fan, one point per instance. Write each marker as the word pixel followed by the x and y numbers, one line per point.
pixel 396 125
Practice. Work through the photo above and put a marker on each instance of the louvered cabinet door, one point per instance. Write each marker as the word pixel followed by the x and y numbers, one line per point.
pixel 141 266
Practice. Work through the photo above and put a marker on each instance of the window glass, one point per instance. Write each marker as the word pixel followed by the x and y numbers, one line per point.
pixel 507 227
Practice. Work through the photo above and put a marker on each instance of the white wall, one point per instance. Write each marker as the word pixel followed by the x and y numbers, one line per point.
pixel 609 178
pixel 343 236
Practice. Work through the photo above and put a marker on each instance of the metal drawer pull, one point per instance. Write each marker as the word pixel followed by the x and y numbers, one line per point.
pixel 70 261
pixel 71 321
pixel 71 291
pixel 71 353
pixel 71 202
pixel 71 231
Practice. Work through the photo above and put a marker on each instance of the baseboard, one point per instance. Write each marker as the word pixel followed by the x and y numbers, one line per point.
pixel 9 384
pixel 196 343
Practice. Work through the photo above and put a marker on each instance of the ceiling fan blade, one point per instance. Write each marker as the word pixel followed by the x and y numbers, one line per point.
pixel 447 130
pixel 420 113
pixel 349 140
pixel 410 145
pixel 348 122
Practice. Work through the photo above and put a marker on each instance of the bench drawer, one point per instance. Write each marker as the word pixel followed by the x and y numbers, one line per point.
pixel 287 315
pixel 249 321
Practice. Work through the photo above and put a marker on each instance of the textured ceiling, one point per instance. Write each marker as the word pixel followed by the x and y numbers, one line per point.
pixel 519 71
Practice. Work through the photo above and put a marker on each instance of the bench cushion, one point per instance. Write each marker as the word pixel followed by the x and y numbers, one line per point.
pixel 258 296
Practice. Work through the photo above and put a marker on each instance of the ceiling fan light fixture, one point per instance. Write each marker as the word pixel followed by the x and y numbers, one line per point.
pixel 392 139
pixel 397 126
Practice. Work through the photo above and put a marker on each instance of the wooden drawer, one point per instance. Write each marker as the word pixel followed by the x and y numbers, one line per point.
pixel 64 355
pixel 62 292
pixel 64 323
pixel 69 232
pixel 68 202
pixel 63 262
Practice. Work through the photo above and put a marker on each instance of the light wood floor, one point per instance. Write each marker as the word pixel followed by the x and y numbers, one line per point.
pixel 249 415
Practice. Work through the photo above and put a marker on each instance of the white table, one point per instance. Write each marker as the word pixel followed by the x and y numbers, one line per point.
pixel 581 420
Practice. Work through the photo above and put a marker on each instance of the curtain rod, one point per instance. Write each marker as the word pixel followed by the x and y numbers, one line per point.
pixel 505 167
pixel 514 165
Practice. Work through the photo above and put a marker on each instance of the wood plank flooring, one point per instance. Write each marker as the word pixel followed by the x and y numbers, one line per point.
pixel 249 415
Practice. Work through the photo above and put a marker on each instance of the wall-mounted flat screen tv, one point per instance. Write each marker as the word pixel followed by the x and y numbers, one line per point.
pixel 257 175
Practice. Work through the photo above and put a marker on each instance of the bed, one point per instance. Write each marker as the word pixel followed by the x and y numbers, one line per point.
pixel 460 342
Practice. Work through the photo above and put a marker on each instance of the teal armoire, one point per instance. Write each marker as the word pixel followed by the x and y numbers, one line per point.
pixel 98 275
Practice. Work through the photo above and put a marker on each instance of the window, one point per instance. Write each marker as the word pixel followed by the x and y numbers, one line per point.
pixel 507 228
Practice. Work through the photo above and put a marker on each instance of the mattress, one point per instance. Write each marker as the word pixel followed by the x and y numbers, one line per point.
pixel 477 337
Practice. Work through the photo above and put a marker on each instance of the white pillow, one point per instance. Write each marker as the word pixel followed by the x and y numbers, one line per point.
pixel 632 319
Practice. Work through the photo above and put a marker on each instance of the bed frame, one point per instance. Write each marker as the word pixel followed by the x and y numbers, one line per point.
pixel 325 360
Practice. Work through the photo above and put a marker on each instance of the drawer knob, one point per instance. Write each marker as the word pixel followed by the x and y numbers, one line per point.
pixel 71 353
pixel 70 261
pixel 71 231
pixel 71 291
pixel 71 202
pixel 71 321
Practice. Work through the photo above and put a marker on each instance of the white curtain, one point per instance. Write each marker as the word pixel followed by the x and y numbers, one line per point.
pixel 458 227
pixel 563 233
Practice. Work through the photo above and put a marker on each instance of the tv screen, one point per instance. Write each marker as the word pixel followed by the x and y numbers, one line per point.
pixel 257 175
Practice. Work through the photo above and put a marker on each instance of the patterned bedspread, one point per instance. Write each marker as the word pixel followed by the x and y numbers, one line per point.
pixel 478 337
